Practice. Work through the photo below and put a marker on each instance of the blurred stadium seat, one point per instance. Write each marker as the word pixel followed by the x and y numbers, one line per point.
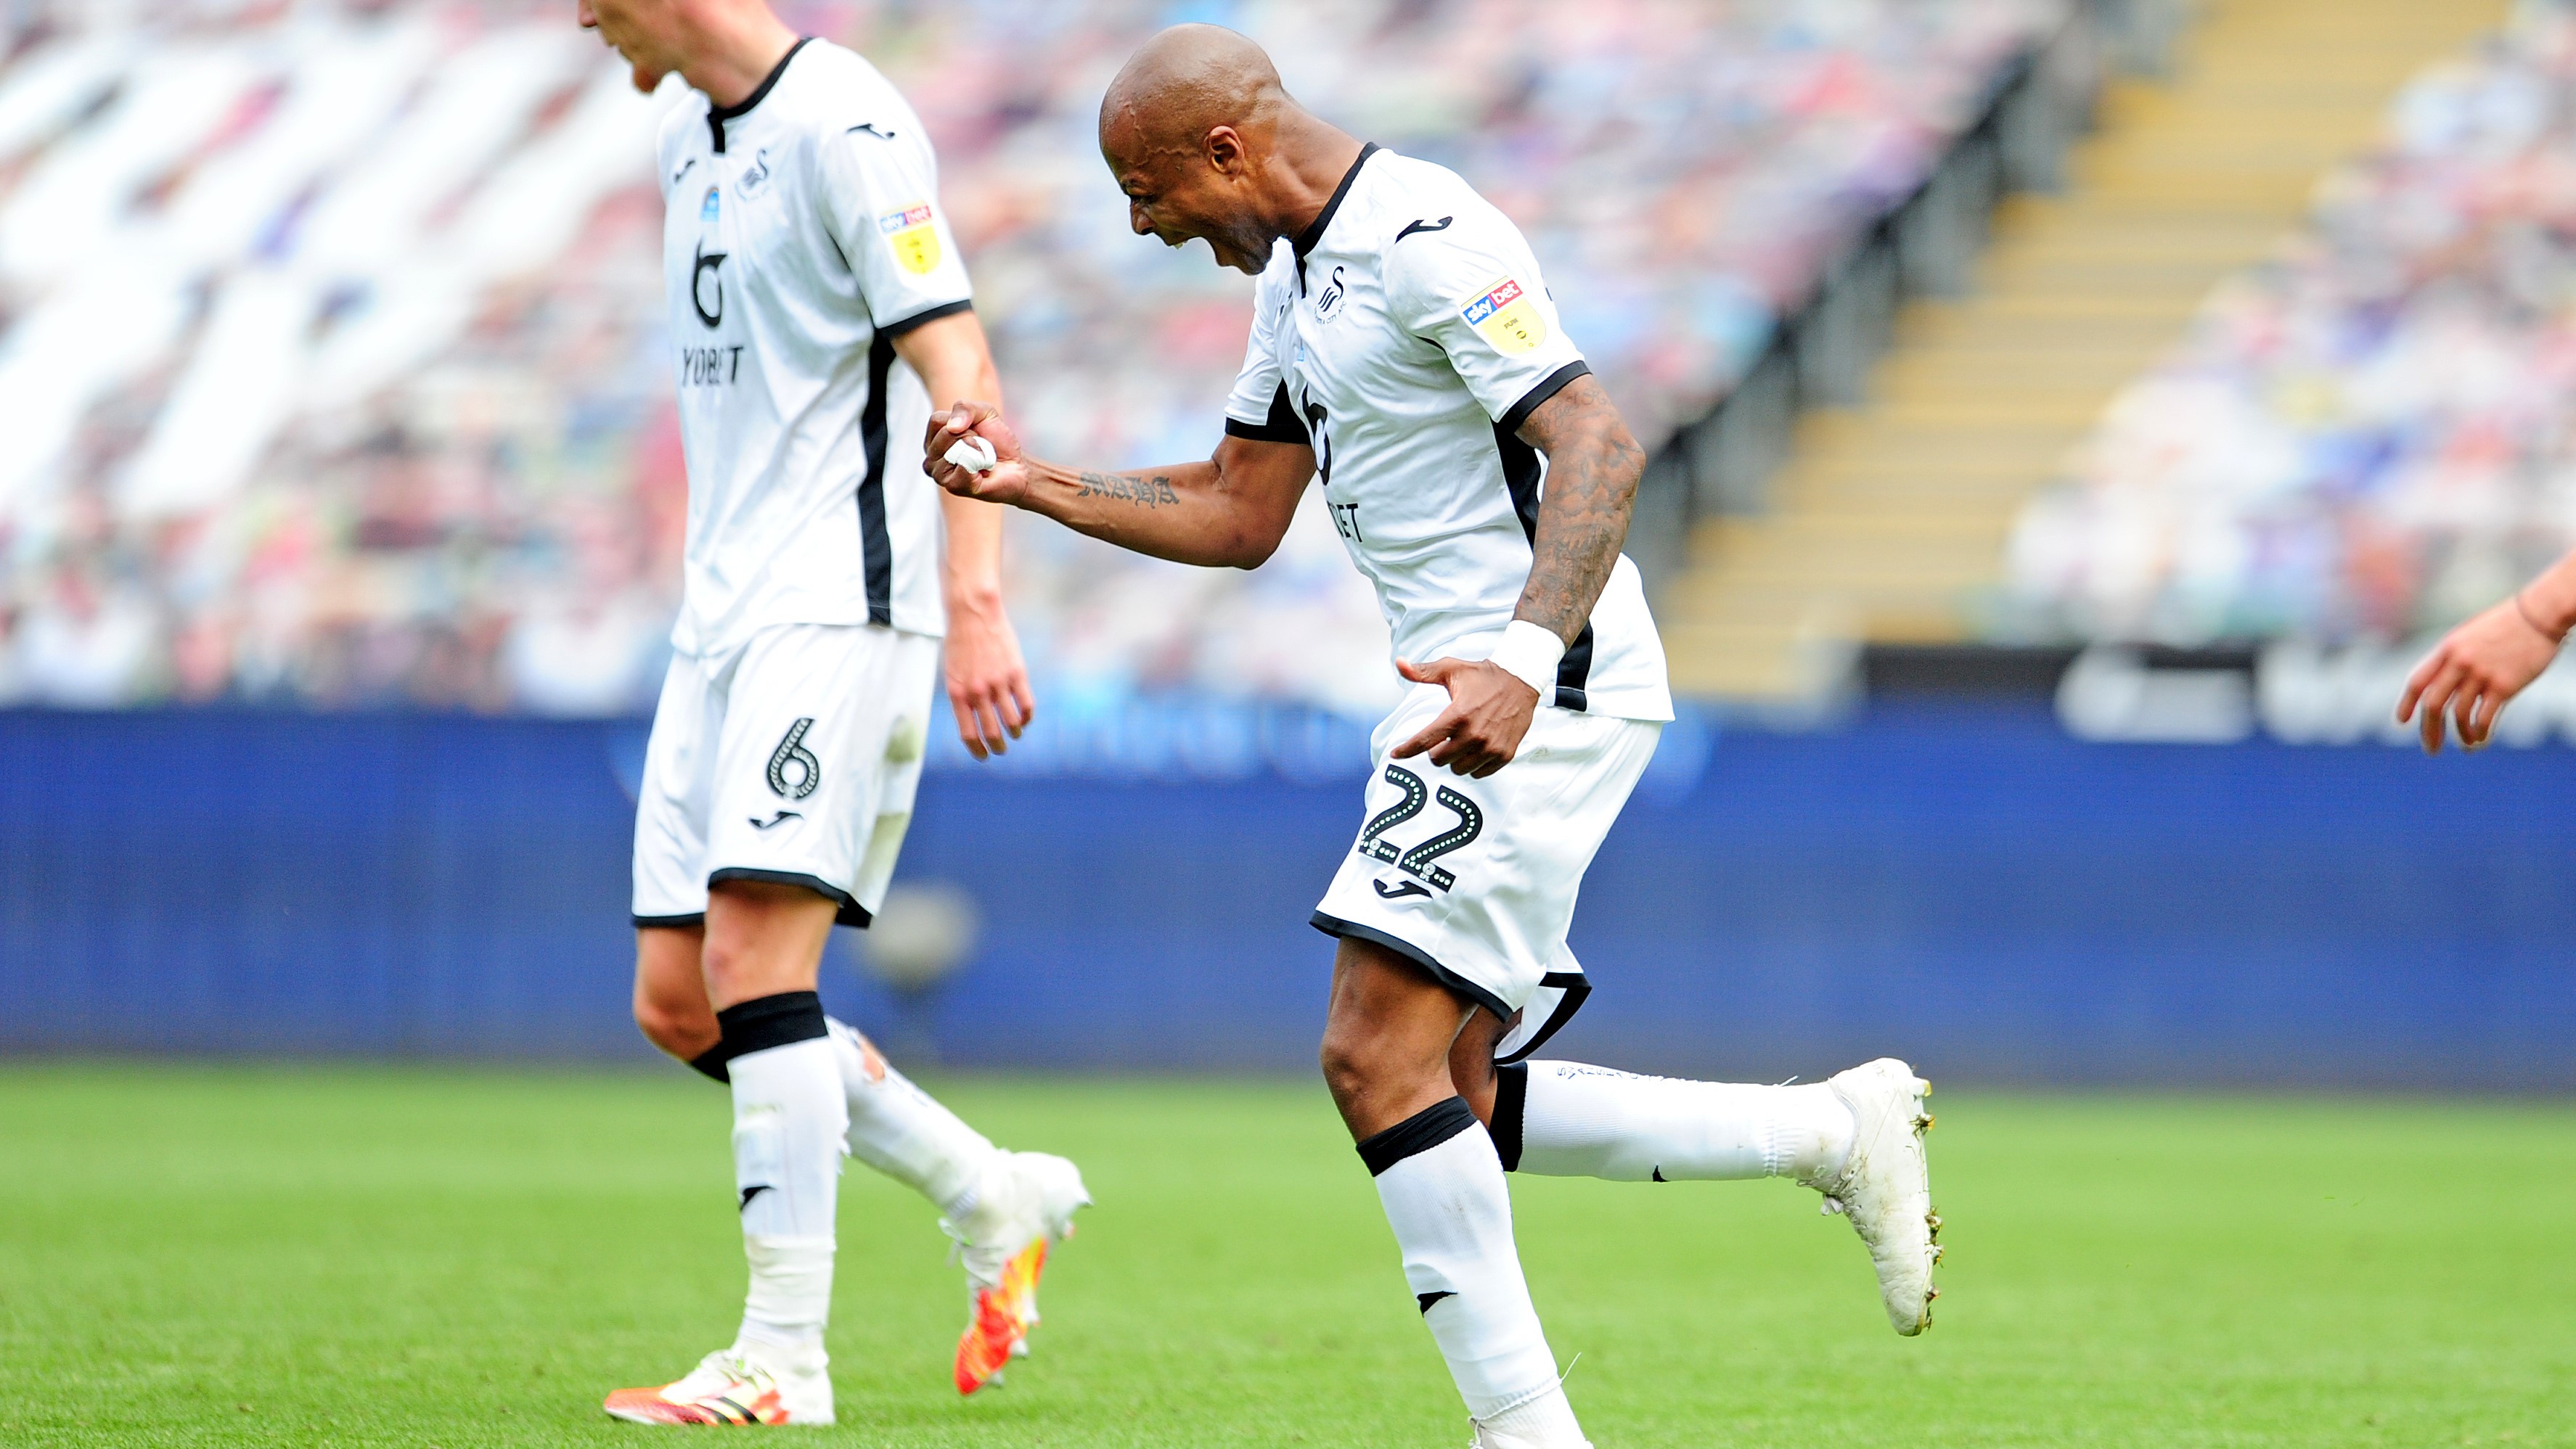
pixel 330 338
pixel 1890 524
pixel 331 333
pixel 2372 433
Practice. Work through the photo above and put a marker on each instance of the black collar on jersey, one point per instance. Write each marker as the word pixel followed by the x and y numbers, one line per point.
pixel 718 115
pixel 1314 232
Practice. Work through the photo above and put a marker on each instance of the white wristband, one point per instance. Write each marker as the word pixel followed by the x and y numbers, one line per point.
pixel 1530 653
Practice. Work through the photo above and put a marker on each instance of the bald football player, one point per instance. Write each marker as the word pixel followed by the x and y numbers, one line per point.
pixel 1407 357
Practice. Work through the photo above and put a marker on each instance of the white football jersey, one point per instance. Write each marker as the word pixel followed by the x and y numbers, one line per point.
pixel 803 234
pixel 1406 336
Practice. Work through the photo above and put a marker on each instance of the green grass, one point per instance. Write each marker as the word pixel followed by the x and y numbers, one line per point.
pixel 352 1257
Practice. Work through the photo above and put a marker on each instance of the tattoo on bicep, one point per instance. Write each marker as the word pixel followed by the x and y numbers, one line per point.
pixel 1153 492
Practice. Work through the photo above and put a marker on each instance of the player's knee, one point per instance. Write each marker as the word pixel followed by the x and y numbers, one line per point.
pixel 681 1032
pixel 1354 1063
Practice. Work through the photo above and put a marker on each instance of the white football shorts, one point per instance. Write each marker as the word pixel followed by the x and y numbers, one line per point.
pixel 792 759
pixel 1475 880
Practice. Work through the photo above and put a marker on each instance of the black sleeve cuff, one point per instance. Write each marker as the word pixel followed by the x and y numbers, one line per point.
pixel 1531 401
pixel 893 330
pixel 1280 427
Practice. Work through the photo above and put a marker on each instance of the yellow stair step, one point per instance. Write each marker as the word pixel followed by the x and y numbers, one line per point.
pixel 1890 519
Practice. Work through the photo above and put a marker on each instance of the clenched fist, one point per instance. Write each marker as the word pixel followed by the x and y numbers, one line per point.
pixel 1007 481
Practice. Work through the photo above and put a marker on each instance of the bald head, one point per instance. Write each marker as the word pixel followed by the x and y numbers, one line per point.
pixel 1208 146
pixel 1184 83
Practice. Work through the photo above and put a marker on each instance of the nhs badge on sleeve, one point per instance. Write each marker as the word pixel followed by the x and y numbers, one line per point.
pixel 713 206
pixel 914 239
pixel 1505 317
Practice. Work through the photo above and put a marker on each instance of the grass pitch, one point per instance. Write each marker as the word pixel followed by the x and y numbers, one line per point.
pixel 364 1257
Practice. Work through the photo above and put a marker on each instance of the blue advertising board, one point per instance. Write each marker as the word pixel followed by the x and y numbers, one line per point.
pixel 1964 885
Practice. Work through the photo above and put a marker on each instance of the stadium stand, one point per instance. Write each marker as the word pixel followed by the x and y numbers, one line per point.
pixel 288 464
pixel 1890 524
pixel 330 332
pixel 2371 433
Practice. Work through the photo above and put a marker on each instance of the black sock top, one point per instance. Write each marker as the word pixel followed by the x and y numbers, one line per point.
pixel 1417 1134
pixel 771 1021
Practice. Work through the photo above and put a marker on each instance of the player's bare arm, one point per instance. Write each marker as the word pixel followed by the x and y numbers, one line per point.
pixel 988 681
pixel 1227 512
pixel 2480 666
pixel 1593 468
pixel 1594 465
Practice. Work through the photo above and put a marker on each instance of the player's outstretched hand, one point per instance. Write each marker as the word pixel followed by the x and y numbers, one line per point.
pixel 2475 670
pixel 1005 479
pixel 988 682
pixel 1489 711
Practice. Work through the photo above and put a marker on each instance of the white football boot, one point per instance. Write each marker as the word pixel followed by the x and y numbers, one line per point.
pixel 1025 1204
pixel 741 1387
pixel 1885 1186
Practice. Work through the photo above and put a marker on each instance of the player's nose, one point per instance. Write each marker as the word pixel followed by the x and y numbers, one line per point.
pixel 588 17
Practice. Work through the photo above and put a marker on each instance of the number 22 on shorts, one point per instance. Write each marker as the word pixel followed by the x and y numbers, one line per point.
pixel 1417 861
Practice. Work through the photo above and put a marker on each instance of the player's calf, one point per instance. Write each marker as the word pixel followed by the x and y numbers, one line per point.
pixel 1568 1119
pixel 789 1119
pixel 1857 1139
pixel 671 1006
pixel 1386 1057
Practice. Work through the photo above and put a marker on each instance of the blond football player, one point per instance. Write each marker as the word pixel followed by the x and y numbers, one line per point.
pixel 817 303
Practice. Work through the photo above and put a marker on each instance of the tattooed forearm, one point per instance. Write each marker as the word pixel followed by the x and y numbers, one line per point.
pixel 1228 512
pixel 1153 492
pixel 1593 465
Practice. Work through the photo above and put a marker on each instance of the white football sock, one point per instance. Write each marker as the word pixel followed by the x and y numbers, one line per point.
pixel 903 1131
pixel 1582 1121
pixel 1444 1194
pixel 789 1118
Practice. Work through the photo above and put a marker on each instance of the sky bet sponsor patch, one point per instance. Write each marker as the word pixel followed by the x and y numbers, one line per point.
pixel 1504 317
pixel 914 239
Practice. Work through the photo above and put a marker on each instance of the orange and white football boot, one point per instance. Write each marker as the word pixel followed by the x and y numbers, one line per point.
pixel 734 1388
pixel 1025 1205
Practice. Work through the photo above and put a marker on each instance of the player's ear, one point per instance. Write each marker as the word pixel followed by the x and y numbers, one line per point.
pixel 1224 148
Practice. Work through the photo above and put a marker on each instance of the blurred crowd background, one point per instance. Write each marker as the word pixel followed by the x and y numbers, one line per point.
pixel 332 344
pixel 2372 434
pixel 341 503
